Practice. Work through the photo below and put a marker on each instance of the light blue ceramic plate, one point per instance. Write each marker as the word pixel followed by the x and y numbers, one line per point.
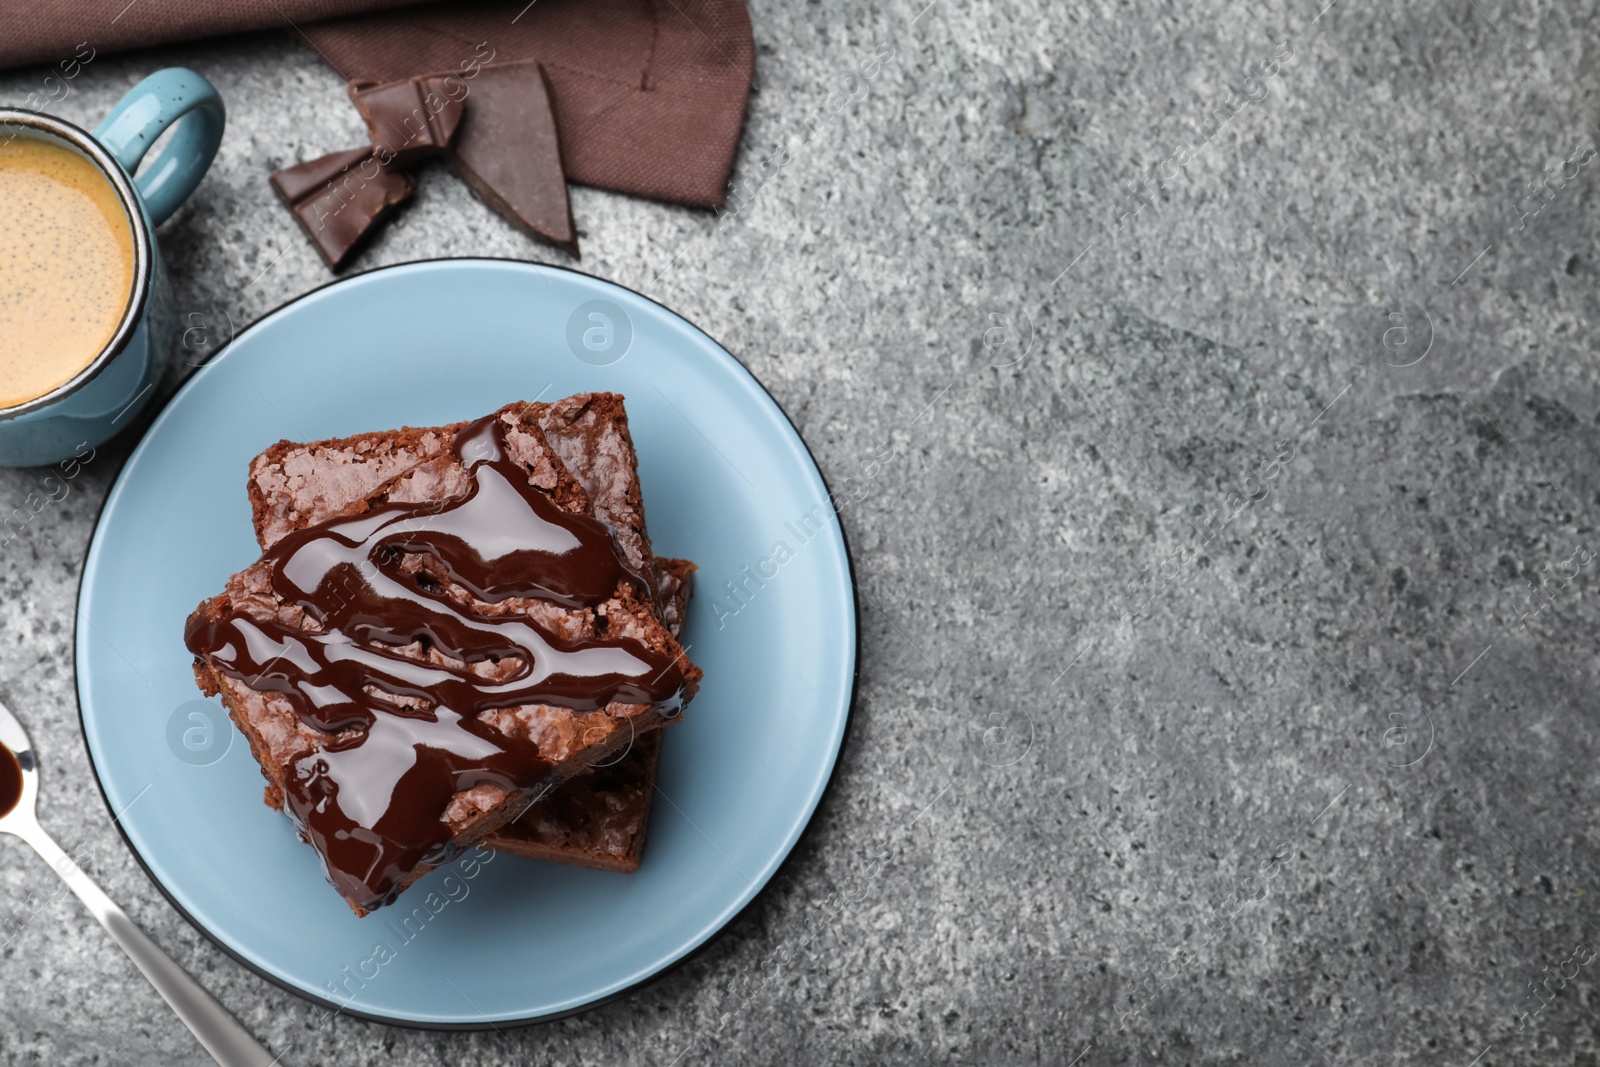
pixel 727 481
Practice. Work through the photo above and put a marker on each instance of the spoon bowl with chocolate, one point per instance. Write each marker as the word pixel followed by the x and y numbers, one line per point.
pixel 228 1042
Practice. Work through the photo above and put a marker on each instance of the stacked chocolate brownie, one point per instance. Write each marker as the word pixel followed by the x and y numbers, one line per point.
pixel 455 635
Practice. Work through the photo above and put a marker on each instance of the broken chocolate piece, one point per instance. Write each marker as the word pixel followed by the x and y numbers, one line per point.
pixel 340 197
pixel 413 119
pixel 301 180
pixel 509 153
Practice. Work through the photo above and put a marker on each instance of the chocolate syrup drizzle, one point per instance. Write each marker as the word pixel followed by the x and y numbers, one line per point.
pixel 372 801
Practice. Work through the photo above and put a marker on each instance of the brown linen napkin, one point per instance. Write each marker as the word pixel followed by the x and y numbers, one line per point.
pixel 649 95
pixel 43 31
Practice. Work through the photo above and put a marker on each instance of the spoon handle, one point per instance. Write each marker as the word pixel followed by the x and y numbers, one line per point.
pixel 228 1042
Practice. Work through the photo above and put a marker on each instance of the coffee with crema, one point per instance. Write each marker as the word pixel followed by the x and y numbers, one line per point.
pixel 66 265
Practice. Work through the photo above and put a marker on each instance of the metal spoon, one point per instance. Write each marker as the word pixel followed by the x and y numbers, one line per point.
pixel 228 1042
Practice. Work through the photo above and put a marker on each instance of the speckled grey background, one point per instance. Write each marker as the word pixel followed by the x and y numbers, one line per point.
pixel 1227 653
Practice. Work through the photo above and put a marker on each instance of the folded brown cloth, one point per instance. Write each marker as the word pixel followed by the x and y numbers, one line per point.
pixel 649 95
pixel 43 31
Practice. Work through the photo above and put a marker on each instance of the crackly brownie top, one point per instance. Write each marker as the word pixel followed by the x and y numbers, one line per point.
pixel 477 559
pixel 295 484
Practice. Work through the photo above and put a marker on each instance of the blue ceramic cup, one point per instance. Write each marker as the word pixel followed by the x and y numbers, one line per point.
pixel 106 395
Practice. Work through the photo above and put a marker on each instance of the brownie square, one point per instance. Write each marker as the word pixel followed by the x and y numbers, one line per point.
pixel 601 818
pixel 596 819
pixel 490 764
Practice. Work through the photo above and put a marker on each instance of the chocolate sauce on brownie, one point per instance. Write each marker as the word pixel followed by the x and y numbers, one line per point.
pixel 373 801
pixel 10 781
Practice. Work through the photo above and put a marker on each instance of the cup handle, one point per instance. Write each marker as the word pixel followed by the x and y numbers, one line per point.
pixel 165 97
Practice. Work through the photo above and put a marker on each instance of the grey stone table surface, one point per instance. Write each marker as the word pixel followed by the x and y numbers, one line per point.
pixel 1229 595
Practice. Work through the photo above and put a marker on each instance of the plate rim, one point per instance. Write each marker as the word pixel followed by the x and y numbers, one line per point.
pixel 484 1024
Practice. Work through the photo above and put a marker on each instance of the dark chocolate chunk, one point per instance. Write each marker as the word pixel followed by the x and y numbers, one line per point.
pixel 301 180
pixel 340 197
pixel 509 153
pixel 413 119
